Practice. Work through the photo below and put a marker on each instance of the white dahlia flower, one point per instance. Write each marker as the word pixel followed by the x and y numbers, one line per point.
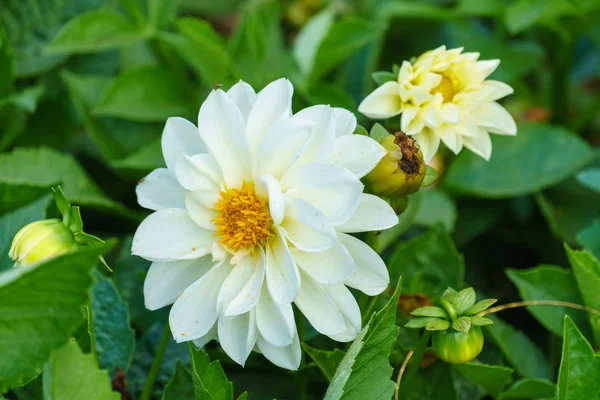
pixel 444 95
pixel 252 213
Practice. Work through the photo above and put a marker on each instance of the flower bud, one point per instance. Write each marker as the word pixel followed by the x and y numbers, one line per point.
pixel 40 241
pixel 401 171
pixel 458 347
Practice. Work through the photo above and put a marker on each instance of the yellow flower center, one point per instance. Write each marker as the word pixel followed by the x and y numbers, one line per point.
pixel 446 88
pixel 244 221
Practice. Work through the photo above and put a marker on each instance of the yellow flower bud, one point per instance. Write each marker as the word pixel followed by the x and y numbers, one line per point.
pixel 40 241
pixel 401 171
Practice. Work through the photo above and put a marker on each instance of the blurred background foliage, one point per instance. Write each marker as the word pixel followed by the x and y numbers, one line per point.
pixel 86 87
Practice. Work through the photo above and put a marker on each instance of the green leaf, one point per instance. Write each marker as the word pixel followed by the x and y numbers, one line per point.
pixel 429 263
pixel 405 221
pixel 430 311
pixel 462 324
pixel 437 208
pixel 95 30
pixel 44 167
pixel 203 49
pixel 538 157
pixel 586 269
pixel 70 374
pixel 309 41
pixel 433 383
pixel 548 282
pixel 12 222
pixel 180 386
pixel 28 98
pixel 378 132
pixel 590 178
pixel 406 9
pixel 326 360
pixel 148 93
pixel 365 370
pixel 6 66
pixel 491 378
pixel 590 238
pixel 530 388
pixel 162 12
pixel 430 177
pixel 524 14
pixel 115 340
pixel 39 309
pixel 381 77
pixel 420 322
pixel 464 300
pixel 479 306
pixel 579 374
pixel 437 325
pixel 480 321
pixel 523 354
pixel 210 381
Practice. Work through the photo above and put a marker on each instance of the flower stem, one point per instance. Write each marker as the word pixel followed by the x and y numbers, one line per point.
pixel 554 303
pixel 401 372
pixel 156 362
pixel 416 360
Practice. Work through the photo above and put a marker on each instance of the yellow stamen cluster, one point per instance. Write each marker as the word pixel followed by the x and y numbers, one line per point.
pixel 244 220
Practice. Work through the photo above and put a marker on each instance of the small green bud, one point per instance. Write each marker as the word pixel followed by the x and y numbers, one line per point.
pixel 401 171
pixel 456 347
pixel 41 240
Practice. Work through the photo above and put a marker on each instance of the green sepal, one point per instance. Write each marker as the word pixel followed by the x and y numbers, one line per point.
pixel 378 133
pixel 462 324
pixel 438 325
pixel 360 130
pixel 464 300
pixel 430 311
pixel 63 204
pixel 430 177
pixel 419 323
pixel 396 69
pixel 480 321
pixel 449 294
pixel 75 222
pixel 381 77
pixel 87 239
pixel 480 306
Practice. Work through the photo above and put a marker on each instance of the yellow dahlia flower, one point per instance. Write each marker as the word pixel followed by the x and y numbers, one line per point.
pixel 444 95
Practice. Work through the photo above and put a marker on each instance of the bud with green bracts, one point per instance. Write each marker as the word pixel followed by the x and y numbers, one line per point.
pixel 457 336
pixel 401 171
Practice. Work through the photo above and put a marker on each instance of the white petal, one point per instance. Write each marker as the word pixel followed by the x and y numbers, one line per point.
pixel 323 132
pixel 222 127
pixel 320 310
pixel 345 121
pixel 499 90
pixel 332 189
pixel 494 118
pixel 211 335
pixel 330 266
pixel 306 227
pixel 486 67
pixel 160 190
pixel 384 102
pixel 408 115
pixel 272 320
pixel 429 143
pixel 199 172
pixel 450 138
pixel 248 296
pixel 170 234
pixel 282 145
pixel 480 145
pixel 371 276
pixel 195 311
pixel 287 357
pixel 237 335
pixel 283 278
pixel 165 281
pixel 348 306
pixel 180 136
pixel 273 104
pixel 244 96
pixel 450 113
pixel 269 187
pixel 358 153
pixel 199 213
pixel 372 214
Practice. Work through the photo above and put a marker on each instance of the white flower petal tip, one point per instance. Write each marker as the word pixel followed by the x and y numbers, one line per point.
pixel 384 102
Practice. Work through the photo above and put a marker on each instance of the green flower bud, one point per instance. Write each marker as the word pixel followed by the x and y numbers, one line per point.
pixel 40 241
pixel 401 171
pixel 458 347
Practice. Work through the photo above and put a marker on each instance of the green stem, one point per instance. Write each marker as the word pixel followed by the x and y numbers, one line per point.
pixel 156 362
pixel 91 329
pixel 369 309
pixel 561 65
pixel 409 380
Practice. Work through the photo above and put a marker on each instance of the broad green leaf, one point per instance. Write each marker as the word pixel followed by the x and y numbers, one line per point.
pixel 180 386
pixel 405 9
pixel 530 388
pixel 203 49
pixel 524 14
pixel 586 269
pixel 326 360
pixel 365 371
pixel 590 178
pixel 43 168
pixel 433 383
pixel 70 374
pixel 162 12
pixel 28 98
pixel 429 263
pixel 210 382
pixel 6 66
pixel 148 93
pixel 39 309
pixel 491 378
pixel 13 121
pixel 579 374
pixel 32 391
pixel 548 282
pixel 590 238
pixel 309 40
pixel 94 31
pixel 475 217
pixel 522 353
pixel 345 37
pixel 114 338
pixel 146 159
pixel 480 7
pixel 12 222
pixel 538 157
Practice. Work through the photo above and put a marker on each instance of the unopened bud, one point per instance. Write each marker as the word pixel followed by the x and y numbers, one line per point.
pixel 40 241
pixel 401 171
